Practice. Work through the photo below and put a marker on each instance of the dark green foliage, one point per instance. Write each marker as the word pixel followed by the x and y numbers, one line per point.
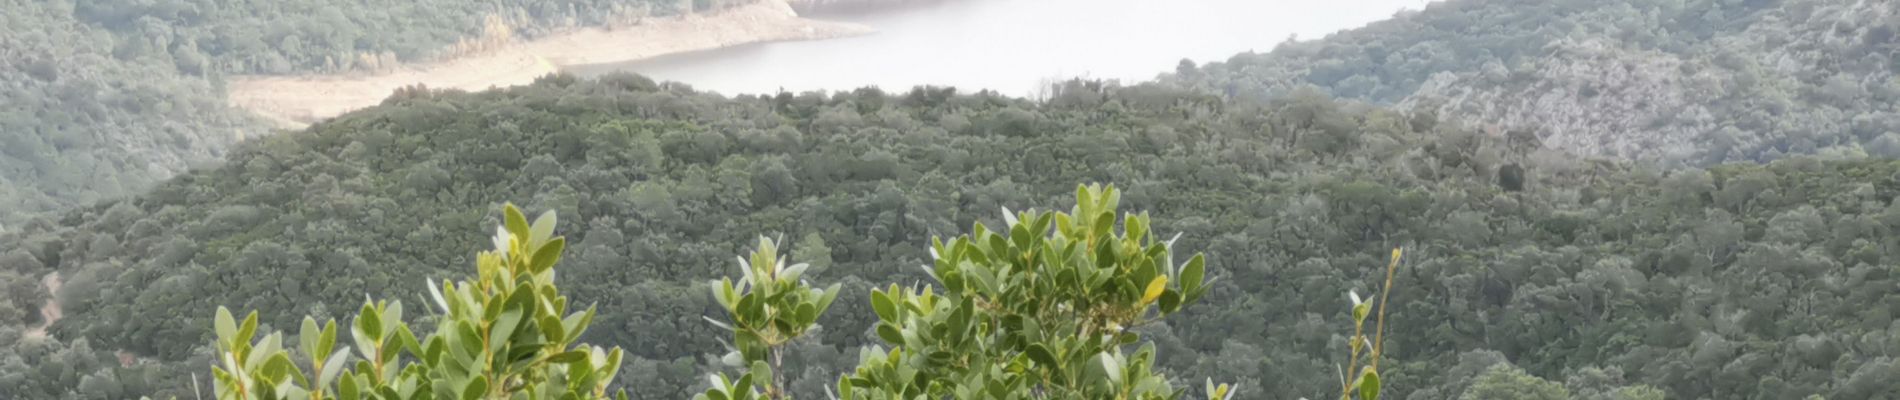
pixel 1511 177
pixel 1737 282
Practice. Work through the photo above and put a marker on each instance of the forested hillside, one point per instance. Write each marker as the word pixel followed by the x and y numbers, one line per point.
pixel 1674 81
pixel 99 99
pixel 279 37
pixel 1567 277
pixel 81 121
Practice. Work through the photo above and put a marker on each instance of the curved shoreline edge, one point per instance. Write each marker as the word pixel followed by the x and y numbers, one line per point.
pixel 297 101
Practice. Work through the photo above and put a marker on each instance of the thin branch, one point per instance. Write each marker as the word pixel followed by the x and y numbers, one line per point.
pixel 1378 344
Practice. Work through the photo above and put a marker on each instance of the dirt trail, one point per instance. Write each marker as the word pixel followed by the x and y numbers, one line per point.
pixel 50 312
pixel 298 100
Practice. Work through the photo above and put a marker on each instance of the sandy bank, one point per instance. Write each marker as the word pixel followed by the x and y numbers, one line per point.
pixel 851 6
pixel 299 100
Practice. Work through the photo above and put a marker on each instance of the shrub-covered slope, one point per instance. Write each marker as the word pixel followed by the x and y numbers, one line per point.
pixel 1762 282
pixel 1681 82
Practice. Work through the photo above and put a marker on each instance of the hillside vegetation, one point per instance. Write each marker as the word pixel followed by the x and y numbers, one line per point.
pixel 104 98
pixel 1584 278
pixel 281 37
pixel 1671 81
pixel 1638 199
pixel 79 124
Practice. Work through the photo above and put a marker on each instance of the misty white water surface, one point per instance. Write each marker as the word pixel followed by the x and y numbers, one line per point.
pixel 1012 46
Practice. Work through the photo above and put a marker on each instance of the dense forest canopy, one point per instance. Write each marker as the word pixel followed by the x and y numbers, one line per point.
pixel 1673 81
pixel 1585 278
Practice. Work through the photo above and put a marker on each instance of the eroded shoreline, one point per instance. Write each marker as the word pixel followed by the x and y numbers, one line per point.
pixel 295 101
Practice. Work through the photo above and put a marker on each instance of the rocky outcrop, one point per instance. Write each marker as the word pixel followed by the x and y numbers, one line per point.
pixel 1592 98
pixel 1640 80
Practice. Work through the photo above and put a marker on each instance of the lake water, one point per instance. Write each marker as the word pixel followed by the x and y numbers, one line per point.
pixel 1012 46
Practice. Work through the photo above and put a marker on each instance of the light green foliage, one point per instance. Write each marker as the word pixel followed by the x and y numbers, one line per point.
pixel 1042 309
pixel 507 334
pixel 770 306
pixel 1507 382
pixel 812 250
pixel 1640 392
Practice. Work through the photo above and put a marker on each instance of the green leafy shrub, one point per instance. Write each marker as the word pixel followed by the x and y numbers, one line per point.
pixel 1041 310
pixel 507 334
pixel 769 307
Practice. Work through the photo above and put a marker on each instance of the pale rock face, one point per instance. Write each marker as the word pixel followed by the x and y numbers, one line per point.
pixel 1793 82
pixel 1589 98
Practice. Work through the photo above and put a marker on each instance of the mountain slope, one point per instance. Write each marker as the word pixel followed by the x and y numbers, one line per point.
pixel 1750 282
pixel 101 99
pixel 293 36
pixel 1695 82
pixel 79 124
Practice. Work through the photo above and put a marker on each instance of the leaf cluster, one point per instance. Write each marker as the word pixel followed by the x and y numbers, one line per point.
pixel 1041 310
pixel 507 334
